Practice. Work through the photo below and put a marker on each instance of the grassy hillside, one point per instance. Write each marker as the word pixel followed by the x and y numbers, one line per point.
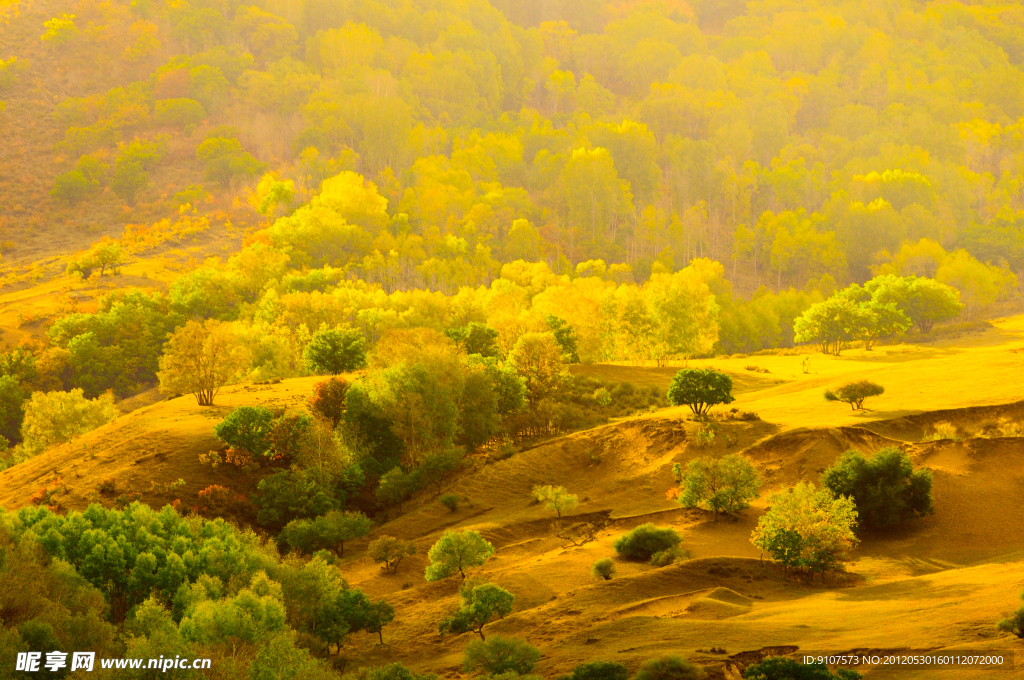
pixel 940 582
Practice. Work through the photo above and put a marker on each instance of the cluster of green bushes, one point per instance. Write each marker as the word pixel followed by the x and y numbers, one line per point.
pixel 179 586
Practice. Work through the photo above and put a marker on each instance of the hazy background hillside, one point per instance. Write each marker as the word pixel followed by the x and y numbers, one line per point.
pixel 789 141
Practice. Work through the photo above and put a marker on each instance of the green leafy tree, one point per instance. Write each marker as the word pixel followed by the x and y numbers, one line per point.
pixel 57 417
pixel 335 350
pixel 12 408
pixel 200 358
pixel 289 495
pixel 395 486
pixel 725 484
pixel 833 323
pixel 438 466
pixel 481 602
pixel 646 540
pixel 247 428
pixel 500 655
pixel 808 527
pixel 556 498
pixel 390 551
pixel 924 301
pixel 781 668
pixel 597 670
pixel 700 389
pixel 855 393
pixel 566 338
pixel 670 667
pixel 476 338
pixel 885 488
pixel 225 159
pixel 73 187
pixel 180 112
pixel 129 179
pixel 456 551
pixel 327 532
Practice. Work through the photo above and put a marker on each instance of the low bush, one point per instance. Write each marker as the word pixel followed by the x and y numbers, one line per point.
pixel 597 670
pixel 450 501
pixel 604 569
pixel 642 542
pixel 669 667
pixel 664 558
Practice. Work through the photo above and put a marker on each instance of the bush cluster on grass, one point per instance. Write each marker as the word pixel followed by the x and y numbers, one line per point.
pixel 644 541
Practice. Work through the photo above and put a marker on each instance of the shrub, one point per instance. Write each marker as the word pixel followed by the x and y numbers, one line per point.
pixel 723 485
pixel 556 498
pixel 642 542
pixel 456 551
pixel 451 501
pixel 390 551
pixel 394 671
pixel 700 389
pixel 216 500
pixel 1014 623
pixel 664 558
pixel 604 569
pixel 855 393
pixel 885 488
pixel 943 430
pixel 500 655
pixel 248 428
pixel 480 603
pixel 335 351
pixel 57 417
pixel 781 668
pixel 669 667
pixel 598 670
pixel 1008 428
pixel 328 399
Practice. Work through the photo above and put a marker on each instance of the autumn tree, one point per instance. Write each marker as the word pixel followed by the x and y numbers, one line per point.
pixel 57 417
pixel 556 498
pixel 539 360
pixel 725 484
pixel 807 527
pixel 200 358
